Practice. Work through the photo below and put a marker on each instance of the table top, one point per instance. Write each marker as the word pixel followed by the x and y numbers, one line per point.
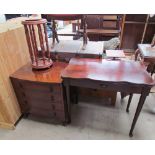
pixel 109 71
pixel 115 54
pixel 147 51
pixel 75 46
pixel 52 75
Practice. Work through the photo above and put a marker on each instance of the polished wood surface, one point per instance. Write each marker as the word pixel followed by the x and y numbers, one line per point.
pixel 116 71
pixel 123 76
pixel 13 54
pixel 51 75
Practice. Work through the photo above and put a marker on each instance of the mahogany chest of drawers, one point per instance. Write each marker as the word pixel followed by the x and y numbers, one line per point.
pixel 40 93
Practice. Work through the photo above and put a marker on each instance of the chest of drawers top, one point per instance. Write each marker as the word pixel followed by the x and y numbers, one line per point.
pixel 51 75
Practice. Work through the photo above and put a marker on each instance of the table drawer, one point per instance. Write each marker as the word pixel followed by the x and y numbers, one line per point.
pixel 112 86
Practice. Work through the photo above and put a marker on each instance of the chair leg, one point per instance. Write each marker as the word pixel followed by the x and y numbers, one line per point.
pixel 129 101
pixel 153 70
pixel 137 52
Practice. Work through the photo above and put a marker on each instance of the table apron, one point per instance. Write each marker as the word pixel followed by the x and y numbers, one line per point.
pixel 113 86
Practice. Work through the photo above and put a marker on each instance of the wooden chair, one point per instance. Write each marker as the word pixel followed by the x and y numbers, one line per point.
pixel 67 17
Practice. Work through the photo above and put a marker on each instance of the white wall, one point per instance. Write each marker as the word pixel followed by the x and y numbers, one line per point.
pixel 2 18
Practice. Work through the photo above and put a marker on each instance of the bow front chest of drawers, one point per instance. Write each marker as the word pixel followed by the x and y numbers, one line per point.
pixel 40 93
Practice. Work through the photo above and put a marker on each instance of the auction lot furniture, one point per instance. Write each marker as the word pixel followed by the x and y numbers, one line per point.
pixel 67 17
pixel 68 49
pixel 122 76
pixel 40 93
pixel 39 60
pixel 147 54
pixel 115 54
pixel 103 27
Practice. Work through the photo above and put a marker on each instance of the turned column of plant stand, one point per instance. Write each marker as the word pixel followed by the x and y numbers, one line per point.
pixel 36 36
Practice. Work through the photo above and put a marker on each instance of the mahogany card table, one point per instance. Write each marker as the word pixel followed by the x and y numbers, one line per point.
pixel 121 76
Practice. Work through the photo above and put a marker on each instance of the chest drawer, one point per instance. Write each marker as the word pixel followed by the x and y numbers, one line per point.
pixel 40 87
pixel 44 113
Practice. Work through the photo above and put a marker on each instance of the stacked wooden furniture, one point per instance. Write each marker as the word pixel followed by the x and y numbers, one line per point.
pixel 13 54
pixel 40 93
pixel 103 27
pixel 67 17
pixel 138 29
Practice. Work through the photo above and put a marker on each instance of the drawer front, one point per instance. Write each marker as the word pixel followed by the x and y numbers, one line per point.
pixel 48 113
pixel 111 86
pixel 20 96
pixel 47 105
pixel 44 97
pixel 40 99
pixel 40 87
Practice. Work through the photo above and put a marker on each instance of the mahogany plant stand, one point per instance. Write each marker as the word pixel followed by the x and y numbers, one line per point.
pixel 37 28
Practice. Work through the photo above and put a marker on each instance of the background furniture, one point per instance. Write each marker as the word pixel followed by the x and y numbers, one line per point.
pixel 123 76
pixel 147 55
pixel 40 59
pixel 13 54
pixel 138 29
pixel 132 29
pixel 68 49
pixel 115 54
pixel 67 17
pixel 103 27
pixel 40 93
